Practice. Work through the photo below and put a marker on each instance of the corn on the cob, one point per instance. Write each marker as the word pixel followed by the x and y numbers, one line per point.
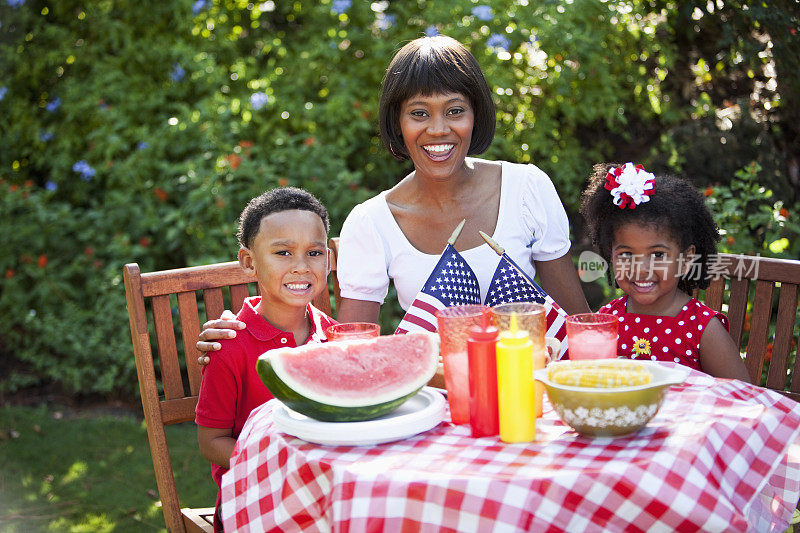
pixel 601 377
pixel 622 365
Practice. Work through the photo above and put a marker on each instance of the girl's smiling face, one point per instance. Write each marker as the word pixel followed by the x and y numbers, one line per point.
pixel 647 266
pixel 437 132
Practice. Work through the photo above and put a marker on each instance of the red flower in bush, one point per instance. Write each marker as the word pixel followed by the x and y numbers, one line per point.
pixel 310 141
pixel 709 191
pixel 10 273
pixel 13 187
pixel 161 194
pixel 731 240
pixel 28 183
pixel 42 261
pixel 283 182
pixel 246 146
pixel 784 212
pixel 144 241
pixel 89 251
pixel 234 160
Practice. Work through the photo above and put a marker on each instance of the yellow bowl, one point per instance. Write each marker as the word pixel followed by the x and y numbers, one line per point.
pixel 610 412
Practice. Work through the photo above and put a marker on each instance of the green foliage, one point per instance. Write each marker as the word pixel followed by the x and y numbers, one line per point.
pixel 734 85
pixel 137 131
pixel 63 472
pixel 751 219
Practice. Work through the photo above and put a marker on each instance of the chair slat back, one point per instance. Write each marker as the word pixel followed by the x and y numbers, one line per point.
pixel 174 401
pixel 760 297
pixel 190 328
pixel 761 312
pixel 784 332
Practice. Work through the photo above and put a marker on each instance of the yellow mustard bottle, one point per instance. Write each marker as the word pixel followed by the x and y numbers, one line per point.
pixel 515 387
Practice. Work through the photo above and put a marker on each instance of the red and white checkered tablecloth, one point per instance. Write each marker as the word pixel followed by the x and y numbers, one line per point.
pixel 719 456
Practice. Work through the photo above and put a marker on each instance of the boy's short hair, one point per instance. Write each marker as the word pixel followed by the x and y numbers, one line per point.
pixel 275 201
pixel 435 65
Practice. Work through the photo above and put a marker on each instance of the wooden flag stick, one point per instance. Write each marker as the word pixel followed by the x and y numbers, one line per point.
pixel 500 251
pixel 452 240
pixel 493 243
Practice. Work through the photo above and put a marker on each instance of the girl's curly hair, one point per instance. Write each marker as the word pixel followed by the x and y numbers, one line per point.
pixel 675 206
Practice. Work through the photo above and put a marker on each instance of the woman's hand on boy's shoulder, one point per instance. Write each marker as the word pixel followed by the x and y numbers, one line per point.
pixel 223 327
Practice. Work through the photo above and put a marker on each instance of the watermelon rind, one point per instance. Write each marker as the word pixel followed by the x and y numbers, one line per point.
pixel 330 409
pixel 322 411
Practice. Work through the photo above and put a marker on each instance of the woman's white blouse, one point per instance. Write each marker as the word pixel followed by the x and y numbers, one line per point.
pixel 532 225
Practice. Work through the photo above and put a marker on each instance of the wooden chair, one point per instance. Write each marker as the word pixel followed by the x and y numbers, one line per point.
pixel 748 289
pixel 172 398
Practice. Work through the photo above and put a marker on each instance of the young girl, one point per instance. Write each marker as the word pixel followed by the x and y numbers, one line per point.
pixel 658 236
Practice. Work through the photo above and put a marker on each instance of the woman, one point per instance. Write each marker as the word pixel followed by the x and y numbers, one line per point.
pixel 436 109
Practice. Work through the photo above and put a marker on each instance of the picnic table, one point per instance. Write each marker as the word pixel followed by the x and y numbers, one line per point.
pixel 720 455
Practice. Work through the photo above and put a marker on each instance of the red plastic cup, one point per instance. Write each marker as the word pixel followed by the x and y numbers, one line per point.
pixel 592 336
pixel 454 325
pixel 353 330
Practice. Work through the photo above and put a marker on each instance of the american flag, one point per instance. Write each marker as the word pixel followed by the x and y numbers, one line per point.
pixel 511 284
pixel 452 282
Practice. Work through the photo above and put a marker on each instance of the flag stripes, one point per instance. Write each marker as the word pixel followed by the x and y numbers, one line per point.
pixel 452 282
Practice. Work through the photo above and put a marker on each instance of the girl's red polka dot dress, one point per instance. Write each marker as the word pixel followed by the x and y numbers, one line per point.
pixel 663 338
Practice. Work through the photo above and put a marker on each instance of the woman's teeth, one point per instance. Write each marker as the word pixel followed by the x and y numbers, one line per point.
pixel 298 286
pixel 644 284
pixel 438 148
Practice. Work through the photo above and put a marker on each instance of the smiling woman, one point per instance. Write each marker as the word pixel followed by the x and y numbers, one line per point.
pixel 437 110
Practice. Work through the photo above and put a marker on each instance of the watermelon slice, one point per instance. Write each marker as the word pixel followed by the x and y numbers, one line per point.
pixel 345 381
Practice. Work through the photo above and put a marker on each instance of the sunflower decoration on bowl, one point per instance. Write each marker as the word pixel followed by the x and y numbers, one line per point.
pixel 640 347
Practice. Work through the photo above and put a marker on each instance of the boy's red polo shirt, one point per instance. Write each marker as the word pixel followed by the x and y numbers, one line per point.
pixel 231 387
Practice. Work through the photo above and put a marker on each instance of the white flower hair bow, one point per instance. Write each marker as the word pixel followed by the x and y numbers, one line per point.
pixel 630 185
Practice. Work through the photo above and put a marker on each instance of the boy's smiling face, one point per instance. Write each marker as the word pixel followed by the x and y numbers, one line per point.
pixel 289 256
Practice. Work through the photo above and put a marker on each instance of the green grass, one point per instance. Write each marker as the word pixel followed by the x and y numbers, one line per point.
pixel 62 473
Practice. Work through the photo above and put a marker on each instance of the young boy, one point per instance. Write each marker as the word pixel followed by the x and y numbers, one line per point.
pixel 283 236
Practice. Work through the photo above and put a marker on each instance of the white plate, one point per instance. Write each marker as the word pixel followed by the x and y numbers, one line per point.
pixel 417 414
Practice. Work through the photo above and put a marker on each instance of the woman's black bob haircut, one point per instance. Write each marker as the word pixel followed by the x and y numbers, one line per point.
pixel 435 65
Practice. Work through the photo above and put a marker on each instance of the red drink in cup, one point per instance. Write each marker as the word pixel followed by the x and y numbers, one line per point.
pixel 592 336
pixel 454 325
pixel 353 330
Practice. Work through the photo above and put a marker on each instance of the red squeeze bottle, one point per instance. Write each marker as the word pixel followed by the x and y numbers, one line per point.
pixel 483 414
